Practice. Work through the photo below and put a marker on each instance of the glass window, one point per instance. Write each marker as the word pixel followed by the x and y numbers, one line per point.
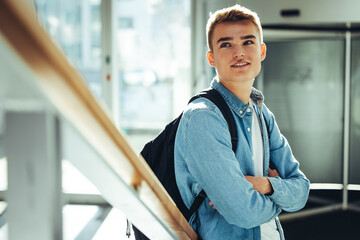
pixel 153 41
pixel 355 114
pixel 75 218
pixel 126 23
pixel 73 181
pixel 154 52
pixel 303 87
pixel 114 227
pixel 75 26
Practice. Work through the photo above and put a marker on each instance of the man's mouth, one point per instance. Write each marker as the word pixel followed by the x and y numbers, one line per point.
pixel 240 64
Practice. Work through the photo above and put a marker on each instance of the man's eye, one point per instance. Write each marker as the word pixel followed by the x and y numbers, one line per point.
pixel 248 42
pixel 224 45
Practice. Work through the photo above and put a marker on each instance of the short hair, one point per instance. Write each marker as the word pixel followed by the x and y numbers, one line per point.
pixel 235 13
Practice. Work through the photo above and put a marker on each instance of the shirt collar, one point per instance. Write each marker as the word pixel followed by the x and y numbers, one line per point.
pixel 238 106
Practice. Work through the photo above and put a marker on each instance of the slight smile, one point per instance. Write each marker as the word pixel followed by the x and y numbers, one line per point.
pixel 240 64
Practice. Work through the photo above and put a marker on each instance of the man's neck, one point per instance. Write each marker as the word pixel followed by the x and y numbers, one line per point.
pixel 241 90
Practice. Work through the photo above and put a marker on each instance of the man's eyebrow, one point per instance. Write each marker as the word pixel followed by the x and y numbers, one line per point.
pixel 224 39
pixel 248 37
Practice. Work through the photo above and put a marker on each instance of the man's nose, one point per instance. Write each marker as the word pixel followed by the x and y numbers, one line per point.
pixel 239 52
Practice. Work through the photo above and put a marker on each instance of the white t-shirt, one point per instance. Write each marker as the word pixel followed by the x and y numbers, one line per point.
pixel 268 230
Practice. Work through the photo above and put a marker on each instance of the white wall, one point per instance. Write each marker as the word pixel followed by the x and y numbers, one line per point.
pixel 311 11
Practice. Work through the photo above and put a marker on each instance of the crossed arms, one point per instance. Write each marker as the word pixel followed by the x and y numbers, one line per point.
pixel 258 199
pixel 260 184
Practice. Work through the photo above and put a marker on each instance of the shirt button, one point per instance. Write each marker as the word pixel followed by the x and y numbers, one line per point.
pixel 248 129
pixel 248 110
pixel 241 111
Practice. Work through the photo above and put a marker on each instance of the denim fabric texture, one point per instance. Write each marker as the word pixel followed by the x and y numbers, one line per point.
pixel 204 160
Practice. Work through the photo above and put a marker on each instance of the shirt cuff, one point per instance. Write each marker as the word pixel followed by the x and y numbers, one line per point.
pixel 276 185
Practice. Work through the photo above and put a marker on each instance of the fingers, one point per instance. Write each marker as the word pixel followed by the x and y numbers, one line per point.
pixel 260 184
pixel 212 205
pixel 248 178
pixel 273 173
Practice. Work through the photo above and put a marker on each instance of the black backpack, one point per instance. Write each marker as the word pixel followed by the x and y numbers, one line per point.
pixel 159 154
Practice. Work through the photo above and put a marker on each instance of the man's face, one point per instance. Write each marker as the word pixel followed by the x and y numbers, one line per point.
pixel 237 52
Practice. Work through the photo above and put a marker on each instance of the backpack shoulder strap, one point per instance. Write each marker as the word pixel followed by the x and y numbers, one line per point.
pixel 269 134
pixel 215 97
pixel 266 124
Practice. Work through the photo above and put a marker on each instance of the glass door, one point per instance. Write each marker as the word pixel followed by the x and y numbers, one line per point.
pixel 354 164
pixel 302 79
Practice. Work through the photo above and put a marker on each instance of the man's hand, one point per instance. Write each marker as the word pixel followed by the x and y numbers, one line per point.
pixel 262 184
pixel 273 173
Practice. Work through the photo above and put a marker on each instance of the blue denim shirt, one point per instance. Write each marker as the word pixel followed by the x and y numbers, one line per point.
pixel 204 159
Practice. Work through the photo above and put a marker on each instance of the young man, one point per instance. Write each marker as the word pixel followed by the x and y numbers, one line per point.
pixel 244 195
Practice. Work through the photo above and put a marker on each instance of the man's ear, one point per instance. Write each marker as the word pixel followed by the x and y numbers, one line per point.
pixel 210 57
pixel 263 51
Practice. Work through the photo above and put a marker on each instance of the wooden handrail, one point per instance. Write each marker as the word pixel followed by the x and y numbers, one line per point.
pixel 68 92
